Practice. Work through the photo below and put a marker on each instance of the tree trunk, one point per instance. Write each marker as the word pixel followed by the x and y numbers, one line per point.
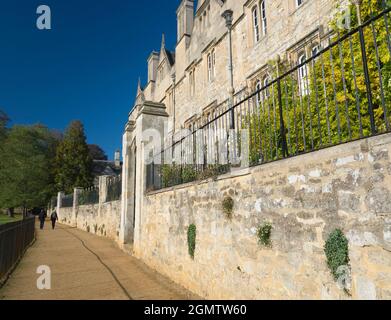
pixel 11 212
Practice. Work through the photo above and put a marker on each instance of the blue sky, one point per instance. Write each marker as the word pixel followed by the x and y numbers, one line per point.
pixel 86 68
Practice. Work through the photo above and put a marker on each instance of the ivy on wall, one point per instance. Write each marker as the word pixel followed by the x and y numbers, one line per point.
pixel 191 239
pixel 264 233
pixel 337 252
pixel 228 206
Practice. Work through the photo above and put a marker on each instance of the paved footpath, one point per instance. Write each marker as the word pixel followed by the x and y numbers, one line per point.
pixel 86 267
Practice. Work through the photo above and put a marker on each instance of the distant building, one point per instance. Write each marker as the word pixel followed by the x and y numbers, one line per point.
pixel 107 168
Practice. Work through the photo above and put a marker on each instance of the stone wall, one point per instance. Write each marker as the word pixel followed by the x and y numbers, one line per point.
pixel 65 216
pixel 305 199
pixel 102 220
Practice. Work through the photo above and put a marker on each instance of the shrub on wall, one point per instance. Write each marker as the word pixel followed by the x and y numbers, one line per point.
pixel 228 205
pixel 264 233
pixel 173 174
pixel 191 239
pixel 337 253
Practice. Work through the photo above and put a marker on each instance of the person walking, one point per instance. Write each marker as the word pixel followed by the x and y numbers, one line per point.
pixel 42 217
pixel 54 218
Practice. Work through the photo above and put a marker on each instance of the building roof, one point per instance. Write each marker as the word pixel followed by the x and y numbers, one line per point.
pixel 106 168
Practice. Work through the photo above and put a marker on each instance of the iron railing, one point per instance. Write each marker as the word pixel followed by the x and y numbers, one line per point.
pixel 67 201
pixel 89 196
pixel 114 189
pixel 337 94
pixel 15 237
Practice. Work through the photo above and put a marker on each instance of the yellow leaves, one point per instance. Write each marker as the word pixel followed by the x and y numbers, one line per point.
pixel 341 98
pixel 361 86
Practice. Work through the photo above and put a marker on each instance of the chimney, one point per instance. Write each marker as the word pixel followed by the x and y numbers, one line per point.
pixel 117 159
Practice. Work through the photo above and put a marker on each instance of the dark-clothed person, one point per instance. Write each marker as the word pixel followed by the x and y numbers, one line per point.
pixel 42 217
pixel 54 218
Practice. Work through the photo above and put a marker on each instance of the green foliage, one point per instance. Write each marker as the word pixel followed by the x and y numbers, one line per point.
pixel 211 171
pixel 26 175
pixel 188 174
pixel 3 124
pixel 337 252
pixel 73 160
pixel 191 239
pixel 173 174
pixel 228 206
pixel 264 235
pixel 97 153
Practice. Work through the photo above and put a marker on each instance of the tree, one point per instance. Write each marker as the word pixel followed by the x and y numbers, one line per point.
pixel 25 174
pixel 73 161
pixel 97 153
pixel 3 124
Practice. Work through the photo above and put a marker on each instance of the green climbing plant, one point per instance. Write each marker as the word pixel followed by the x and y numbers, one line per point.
pixel 191 239
pixel 264 233
pixel 337 252
pixel 228 206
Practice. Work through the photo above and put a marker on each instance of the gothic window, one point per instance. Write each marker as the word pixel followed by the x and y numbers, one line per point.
pixel 266 81
pixel 256 24
pixel 299 3
pixel 258 88
pixel 315 50
pixel 259 20
pixel 263 17
pixel 211 60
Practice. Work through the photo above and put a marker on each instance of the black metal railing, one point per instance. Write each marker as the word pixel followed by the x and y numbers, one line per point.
pixel 89 196
pixel 67 201
pixel 114 189
pixel 15 237
pixel 334 95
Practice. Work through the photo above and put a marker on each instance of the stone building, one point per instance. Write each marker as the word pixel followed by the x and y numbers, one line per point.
pixel 193 81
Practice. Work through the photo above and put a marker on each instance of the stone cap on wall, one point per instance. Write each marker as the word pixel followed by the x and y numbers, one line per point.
pixel 153 109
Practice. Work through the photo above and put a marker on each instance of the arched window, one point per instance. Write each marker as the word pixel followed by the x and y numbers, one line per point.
pixel 315 50
pixel 258 96
pixel 266 81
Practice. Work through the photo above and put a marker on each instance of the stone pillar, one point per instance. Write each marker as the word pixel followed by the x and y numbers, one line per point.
pixel 76 193
pixel 149 125
pixel 127 198
pixel 59 197
pixel 103 182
